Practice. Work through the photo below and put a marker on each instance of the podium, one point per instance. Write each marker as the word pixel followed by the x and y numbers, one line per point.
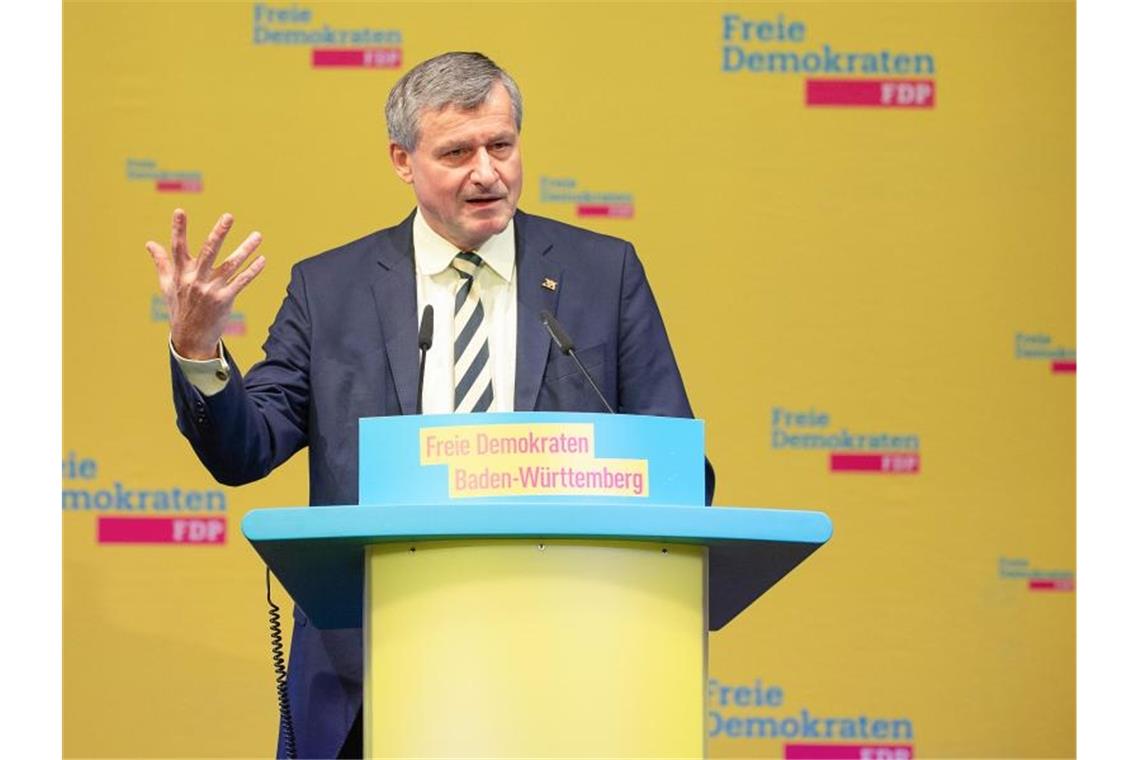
pixel 536 584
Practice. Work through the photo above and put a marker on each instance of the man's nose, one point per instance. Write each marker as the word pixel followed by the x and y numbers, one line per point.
pixel 483 172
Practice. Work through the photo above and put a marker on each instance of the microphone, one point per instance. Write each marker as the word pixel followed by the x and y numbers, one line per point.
pixel 562 339
pixel 427 327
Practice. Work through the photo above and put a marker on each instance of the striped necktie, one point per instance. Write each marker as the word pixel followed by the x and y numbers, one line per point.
pixel 472 353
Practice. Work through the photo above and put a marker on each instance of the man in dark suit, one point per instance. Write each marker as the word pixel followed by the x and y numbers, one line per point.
pixel 344 343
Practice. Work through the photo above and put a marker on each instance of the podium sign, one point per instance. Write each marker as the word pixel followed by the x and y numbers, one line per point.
pixel 540 456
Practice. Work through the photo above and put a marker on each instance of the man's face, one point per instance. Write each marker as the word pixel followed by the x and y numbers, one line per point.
pixel 466 170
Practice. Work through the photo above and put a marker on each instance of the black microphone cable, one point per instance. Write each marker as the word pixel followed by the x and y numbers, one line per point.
pixel 282 673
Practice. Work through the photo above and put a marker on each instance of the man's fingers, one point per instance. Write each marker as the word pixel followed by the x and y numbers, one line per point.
pixel 213 244
pixel 178 238
pixel 235 260
pixel 246 277
pixel 157 254
pixel 160 258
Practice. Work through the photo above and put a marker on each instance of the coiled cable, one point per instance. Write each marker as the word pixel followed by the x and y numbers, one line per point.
pixel 282 673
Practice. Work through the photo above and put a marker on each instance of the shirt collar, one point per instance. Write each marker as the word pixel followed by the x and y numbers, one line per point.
pixel 434 254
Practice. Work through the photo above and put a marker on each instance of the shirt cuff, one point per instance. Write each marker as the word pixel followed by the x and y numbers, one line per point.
pixel 209 376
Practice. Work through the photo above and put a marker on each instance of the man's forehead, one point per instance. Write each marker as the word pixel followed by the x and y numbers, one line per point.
pixel 453 123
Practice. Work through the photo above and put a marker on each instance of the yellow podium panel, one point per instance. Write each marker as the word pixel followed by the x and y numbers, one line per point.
pixel 517 648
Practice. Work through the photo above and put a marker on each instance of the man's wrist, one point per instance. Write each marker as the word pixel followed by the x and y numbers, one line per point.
pixel 195 353
pixel 209 375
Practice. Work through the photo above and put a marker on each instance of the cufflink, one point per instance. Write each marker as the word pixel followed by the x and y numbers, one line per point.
pixel 222 375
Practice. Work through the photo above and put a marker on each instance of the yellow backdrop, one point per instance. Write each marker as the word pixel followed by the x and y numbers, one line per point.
pixel 858 220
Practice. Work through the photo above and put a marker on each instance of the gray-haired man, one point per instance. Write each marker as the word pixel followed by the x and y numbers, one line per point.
pixel 343 345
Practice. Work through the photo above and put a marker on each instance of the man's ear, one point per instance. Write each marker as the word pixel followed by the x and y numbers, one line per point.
pixel 401 162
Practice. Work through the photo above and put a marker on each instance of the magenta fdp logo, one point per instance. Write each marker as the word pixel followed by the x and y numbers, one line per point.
pixel 895 462
pixel 587 202
pixel 210 531
pixel 873 76
pixel 335 47
pixel 359 58
pixel 848 752
pixel 862 450
pixel 871 93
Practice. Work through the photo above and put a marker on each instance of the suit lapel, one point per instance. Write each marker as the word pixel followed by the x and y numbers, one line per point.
pixel 536 272
pixel 394 289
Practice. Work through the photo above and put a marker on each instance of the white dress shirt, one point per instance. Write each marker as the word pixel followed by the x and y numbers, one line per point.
pixel 436 284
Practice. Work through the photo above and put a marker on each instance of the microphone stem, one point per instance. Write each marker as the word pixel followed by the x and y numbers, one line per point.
pixel 420 387
pixel 574 355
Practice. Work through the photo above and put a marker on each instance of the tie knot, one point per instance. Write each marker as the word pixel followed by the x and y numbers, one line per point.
pixel 467 263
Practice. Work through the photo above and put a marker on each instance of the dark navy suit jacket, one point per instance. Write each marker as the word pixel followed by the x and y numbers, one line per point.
pixel 343 346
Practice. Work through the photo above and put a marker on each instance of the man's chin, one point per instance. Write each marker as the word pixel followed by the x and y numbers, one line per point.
pixel 472 238
pixel 486 226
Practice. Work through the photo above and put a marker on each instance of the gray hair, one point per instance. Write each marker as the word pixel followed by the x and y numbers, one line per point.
pixel 463 80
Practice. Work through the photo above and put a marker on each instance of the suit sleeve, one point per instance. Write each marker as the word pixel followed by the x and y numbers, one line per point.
pixel 258 421
pixel 649 381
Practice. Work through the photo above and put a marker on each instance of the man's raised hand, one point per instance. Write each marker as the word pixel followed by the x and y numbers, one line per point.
pixel 199 295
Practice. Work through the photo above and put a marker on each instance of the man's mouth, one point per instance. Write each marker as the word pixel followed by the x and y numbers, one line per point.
pixel 484 200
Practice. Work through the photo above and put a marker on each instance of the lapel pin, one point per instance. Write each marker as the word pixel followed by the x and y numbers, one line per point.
pixel 550 284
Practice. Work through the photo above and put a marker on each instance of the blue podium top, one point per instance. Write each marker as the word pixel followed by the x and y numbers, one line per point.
pixel 317 552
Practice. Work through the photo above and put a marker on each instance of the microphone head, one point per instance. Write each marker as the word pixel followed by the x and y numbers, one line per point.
pixel 427 327
pixel 560 336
